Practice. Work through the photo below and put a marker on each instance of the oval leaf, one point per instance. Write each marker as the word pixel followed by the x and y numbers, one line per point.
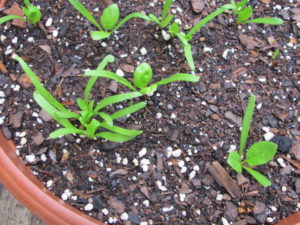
pixel 110 17
pixel 99 35
pixel 245 14
pixel 234 160
pixel 142 75
pixel 261 153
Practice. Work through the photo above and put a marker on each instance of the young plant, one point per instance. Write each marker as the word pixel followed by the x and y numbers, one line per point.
pixel 257 154
pixel 90 117
pixel 32 14
pixel 245 13
pixel 165 19
pixel 141 78
pixel 108 20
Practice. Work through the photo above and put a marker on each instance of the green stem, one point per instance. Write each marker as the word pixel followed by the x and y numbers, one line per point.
pixel 131 16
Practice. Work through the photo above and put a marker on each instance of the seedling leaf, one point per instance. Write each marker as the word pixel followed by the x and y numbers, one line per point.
pixel 166 8
pixel 114 137
pixel 154 18
pixel 85 12
pixel 131 16
pixel 178 77
pixel 99 35
pixel 122 131
pixel 261 153
pixel 271 21
pixel 110 16
pixel 142 75
pixel 245 14
pixel 107 119
pixel 33 14
pixel 66 115
pixel 65 131
pixel 167 21
pixel 234 160
pixel 4 19
pixel 247 123
pixel 258 176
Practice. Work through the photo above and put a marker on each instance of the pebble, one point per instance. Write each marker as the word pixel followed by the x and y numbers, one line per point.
pixel 158 116
pixel 259 207
pixel 7 133
pixel 55 33
pixel 49 22
pixel 167 209
pixel 143 51
pixel 88 207
pixel 104 211
pixel 176 153
pixel 124 216
pixel 166 35
pixel 284 143
pixel 120 72
pixel 281 162
pixel 192 175
pixel 142 152
pixel 268 136
pixel 219 197
pixel 49 183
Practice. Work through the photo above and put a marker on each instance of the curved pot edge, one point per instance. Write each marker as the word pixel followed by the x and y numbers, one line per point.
pixel 20 181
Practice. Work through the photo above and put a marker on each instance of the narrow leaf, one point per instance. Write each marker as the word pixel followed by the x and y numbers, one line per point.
pixel 67 115
pixel 115 99
pixel 65 131
pixel 92 127
pixel 179 77
pixel 39 87
pixel 259 177
pixel 4 19
pixel 166 8
pixel 99 35
pixel 122 131
pixel 114 137
pixel 110 16
pixel 261 153
pixel 174 29
pixel 107 118
pixel 247 123
pixel 129 110
pixel 82 104
pixel 154 18
pixel 27 3
pixel 167 21
pixel 234 160
pixel 271 21
pixel 107 59
pixel 131 16
pixel 112 76
pixel 85 12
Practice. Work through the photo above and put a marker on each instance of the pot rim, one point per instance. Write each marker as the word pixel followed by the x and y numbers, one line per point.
pixel 19 180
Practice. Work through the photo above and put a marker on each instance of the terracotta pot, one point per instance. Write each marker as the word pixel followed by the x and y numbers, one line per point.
pixel 19 180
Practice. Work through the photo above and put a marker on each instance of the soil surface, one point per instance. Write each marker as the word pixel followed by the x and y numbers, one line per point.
pixel 162 176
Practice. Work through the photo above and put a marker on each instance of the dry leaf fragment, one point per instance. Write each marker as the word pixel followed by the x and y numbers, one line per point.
pixel 2 67
pixel 16 10
pixel 198 5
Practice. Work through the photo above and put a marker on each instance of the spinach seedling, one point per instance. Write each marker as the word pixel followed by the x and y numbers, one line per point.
pixel 257 154
pixel 142 77
pixel 245 13
pixel 90 117
pixel 165 19
pixel 32 14
pixel 108 20
pixel 275 54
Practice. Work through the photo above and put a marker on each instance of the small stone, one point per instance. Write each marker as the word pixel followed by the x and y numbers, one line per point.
pixel 176 153
pixel 158 116
pixel 167 209
pixel 7 133
pixel 259 207
pixel 296 150
pixel 143 152
pixel 88 207
pixel 120 73
pixel 124 216
pixel 231 211
pixel 30 158
pixel 38 138
pixel 49 183
pixel 166 35
pixel 45 116
pixel 284 143
pixel 143 51
pixel 49 22
pixel 104 211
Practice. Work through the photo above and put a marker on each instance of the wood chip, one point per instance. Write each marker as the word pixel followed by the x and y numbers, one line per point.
pixel 293 162
pixel 223 179
pixel 2 67
pixel 251 42
pixel 118 172
pixel 16 10
pixel 117 205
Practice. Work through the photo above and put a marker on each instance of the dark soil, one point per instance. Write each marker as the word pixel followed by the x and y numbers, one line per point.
pixel 199 124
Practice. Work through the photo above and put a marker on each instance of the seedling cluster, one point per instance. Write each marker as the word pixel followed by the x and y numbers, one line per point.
pixel 93 121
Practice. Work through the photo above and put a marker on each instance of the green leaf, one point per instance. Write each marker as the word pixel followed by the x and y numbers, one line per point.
pixel 82 104
pixel 39 87
pixel 85 12
pixel 154 18
pixel 142 75
pixel 107 59
pixel 242 5
pixel 110 16
pixel 149 90
pixel 115 99
pixel 234 160
pixel 179 77
pixel 131 16
pixel 99 35
pixel 110 75
pixel 67 115
pixel 114 137
pixel 27 3
pixel 107 118
pixel 92 127
pixel 271 21
pixel 245 14
pixel 4 19
pixel 122 131
pixel 247 123
pixel 51 110
pixel 167 21
pixel 174 29
pixel 65 131
pixel 189 56
pixel 33 14
pixel 166 8
pixel 129 110
pixel 261 153
pixel 258 176
pixel 91 106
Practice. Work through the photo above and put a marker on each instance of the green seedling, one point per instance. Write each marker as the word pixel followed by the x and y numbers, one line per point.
pixel 32 14
pixel 244 14
pixel 91 116
pixel 141 78
pixel 108 20
pixel 165 19
pixel 257 154
pixel 275 54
